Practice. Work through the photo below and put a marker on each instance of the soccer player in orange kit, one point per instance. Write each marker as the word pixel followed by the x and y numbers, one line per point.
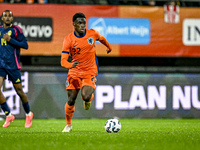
pixel 83 69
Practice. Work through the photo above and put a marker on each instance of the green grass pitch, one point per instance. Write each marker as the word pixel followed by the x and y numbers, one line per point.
pixel 89 134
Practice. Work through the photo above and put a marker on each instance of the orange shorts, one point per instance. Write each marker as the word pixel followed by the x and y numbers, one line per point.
pixel 74 82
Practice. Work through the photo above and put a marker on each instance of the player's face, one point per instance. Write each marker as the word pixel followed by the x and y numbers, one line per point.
pixel 7 18
pixel 79 25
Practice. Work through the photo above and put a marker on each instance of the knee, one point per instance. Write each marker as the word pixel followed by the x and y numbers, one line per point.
pixel 71 101
pixel 86 97
pixel 19 91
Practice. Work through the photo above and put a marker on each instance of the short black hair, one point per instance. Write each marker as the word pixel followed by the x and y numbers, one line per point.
pixel 6 11
pixel 78 15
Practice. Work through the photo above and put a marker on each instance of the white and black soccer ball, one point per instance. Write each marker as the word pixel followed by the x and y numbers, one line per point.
pixel 112 126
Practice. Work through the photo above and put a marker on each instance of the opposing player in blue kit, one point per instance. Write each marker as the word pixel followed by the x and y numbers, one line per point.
pixel 12 39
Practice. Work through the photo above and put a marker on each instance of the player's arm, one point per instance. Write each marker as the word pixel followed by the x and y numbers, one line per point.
pixel 65 55
pixel 22 44
pixel 103 40
pixel 65 63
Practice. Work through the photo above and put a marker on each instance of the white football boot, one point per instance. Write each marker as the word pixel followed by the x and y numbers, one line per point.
pixel 68 128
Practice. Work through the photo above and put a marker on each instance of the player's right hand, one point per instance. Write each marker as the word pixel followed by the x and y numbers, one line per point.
pixel 75 64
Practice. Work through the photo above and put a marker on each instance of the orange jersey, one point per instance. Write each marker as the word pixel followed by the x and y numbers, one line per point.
pixel 82 49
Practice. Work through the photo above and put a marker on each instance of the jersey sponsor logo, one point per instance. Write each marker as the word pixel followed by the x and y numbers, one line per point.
pixel 75 44
pixel 122 30
pixel 90 41
pixel 6 112
pixel 18 80
pixel 35 28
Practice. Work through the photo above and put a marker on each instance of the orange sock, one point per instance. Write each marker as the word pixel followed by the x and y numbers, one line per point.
pixel 90 98
pixel 69 110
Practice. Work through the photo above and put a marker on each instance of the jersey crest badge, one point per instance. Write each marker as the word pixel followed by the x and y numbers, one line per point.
pixel 67 83
pixel 90 41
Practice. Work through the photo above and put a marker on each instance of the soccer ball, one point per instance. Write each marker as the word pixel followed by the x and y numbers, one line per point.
pixel 112 126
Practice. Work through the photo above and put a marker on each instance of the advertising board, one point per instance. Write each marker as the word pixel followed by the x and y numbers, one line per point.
pixel 133 31
pixel 122 95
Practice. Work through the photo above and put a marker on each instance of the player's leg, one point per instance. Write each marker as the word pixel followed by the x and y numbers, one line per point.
pixel 70 108
pixel 88 88
pixel 3 103
pixel 4 106
pixel 87 96
pixel 29 115
pixel 15 77
pixel 70 105
pixel 87 93
pixel 73 85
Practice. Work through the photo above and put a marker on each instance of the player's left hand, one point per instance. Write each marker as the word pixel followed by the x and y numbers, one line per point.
pixel 75 64
pixel 108 51
pixel 6 37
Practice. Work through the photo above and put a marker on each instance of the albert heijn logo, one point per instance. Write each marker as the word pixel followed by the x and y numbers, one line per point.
pixel 123 30
pixel 191 32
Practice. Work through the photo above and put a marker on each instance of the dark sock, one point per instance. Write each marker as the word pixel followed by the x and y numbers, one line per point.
pixel 26 107
pixel 5 108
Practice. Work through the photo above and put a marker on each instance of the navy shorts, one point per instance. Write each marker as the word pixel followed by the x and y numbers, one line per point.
pixel 14 75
